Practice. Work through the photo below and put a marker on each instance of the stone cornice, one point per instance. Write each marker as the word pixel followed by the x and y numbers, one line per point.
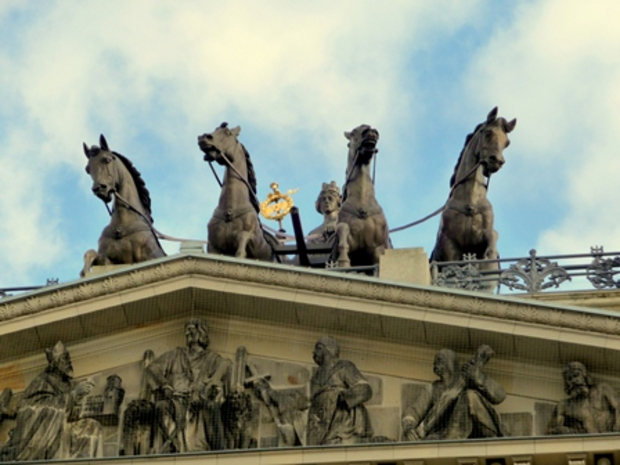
pixel 286 278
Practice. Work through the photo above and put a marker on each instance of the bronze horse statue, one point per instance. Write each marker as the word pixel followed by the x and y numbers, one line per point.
pixel 362 230
pixel 466 225
pixel 130 237
pixel 234 228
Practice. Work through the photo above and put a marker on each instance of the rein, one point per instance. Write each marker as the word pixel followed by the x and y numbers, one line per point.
pixel 443 207
pixel 158 235
pixel 242 178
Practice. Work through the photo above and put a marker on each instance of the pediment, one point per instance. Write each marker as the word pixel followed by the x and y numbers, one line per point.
pixel 390 330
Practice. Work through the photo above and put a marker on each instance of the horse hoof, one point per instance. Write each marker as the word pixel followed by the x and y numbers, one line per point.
pixel 344 264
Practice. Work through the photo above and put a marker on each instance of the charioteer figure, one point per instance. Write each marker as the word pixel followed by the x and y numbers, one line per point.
pixel 328 204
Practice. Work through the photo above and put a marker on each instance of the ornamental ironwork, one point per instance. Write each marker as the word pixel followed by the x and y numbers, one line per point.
pixel 466 276
pixel 601 271
pixel 534 274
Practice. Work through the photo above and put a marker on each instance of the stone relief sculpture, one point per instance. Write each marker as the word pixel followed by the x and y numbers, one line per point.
pixel 286 407
pixel 362 229
pixel 328 204
pixel 234 228
pixel 189 385
pixel 466 225
pixel 138 431
pixel 338 392
pixel 237 408
pixel 5 405
pixel 459 404
pixel 47 424
pixel 589 408
pixel 129 238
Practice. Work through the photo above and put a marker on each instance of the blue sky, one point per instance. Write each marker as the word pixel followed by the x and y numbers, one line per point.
pixel 295 75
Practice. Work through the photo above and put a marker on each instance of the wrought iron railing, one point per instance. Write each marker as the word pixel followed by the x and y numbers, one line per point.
pixel 9 291
pixel 597 269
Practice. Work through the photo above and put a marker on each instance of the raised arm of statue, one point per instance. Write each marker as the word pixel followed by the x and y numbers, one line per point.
pixel 483 383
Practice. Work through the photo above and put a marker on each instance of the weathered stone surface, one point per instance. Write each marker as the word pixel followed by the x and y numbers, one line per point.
pixel 518 424
pixel 543 415
pixel 405 266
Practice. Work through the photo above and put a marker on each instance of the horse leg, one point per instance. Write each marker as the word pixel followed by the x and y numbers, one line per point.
pixel 491 237
pixel 343 233
pixel 243 238
pixel 92 258
pixel 379 250
pixel 490 254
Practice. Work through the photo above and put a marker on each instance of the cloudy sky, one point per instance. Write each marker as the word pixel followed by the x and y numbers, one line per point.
pixel 294 75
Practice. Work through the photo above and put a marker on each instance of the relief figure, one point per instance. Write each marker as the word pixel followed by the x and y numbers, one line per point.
pixel 589 408
pixel 48 426
pixel 338 392
pixel 189 385
pixel 459 404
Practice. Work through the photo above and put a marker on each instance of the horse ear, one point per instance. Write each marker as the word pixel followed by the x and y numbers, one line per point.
pixel 492 115
pixel 236 131
pixel 348 134
pixel 510 125
pixel 103 143
pixel 85 147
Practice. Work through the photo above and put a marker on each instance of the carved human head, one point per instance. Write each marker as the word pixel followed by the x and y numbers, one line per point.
pixel 326 347
pixel 576 378
pixel 58 358
pixel 445 363
pixel 197 332
pixel 329 198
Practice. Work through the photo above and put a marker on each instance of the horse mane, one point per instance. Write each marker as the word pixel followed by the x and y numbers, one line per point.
pixel 251 178
pixel 143 192
pixel 467 141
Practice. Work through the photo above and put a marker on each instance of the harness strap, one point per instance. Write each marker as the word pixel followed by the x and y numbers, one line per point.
pixel 468 209
pixel 231 213
pixel 121 232
pixel 444 206
pixel 361 212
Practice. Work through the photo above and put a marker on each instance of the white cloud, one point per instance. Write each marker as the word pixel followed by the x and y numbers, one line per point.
pixel 557 69
pixel 142 71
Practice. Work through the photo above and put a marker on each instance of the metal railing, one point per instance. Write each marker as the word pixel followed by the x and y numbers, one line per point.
pixel 9 291
pixel 597 269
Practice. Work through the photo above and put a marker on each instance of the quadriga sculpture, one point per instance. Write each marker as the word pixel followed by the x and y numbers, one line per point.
pixel 466 225
pixel 129 238
pixel 234 229
pixel 362 229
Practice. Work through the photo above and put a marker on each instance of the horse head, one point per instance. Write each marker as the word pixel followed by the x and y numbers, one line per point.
pixel 362 144
pixel 490 140
pixel 219 143
pixel 102 169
